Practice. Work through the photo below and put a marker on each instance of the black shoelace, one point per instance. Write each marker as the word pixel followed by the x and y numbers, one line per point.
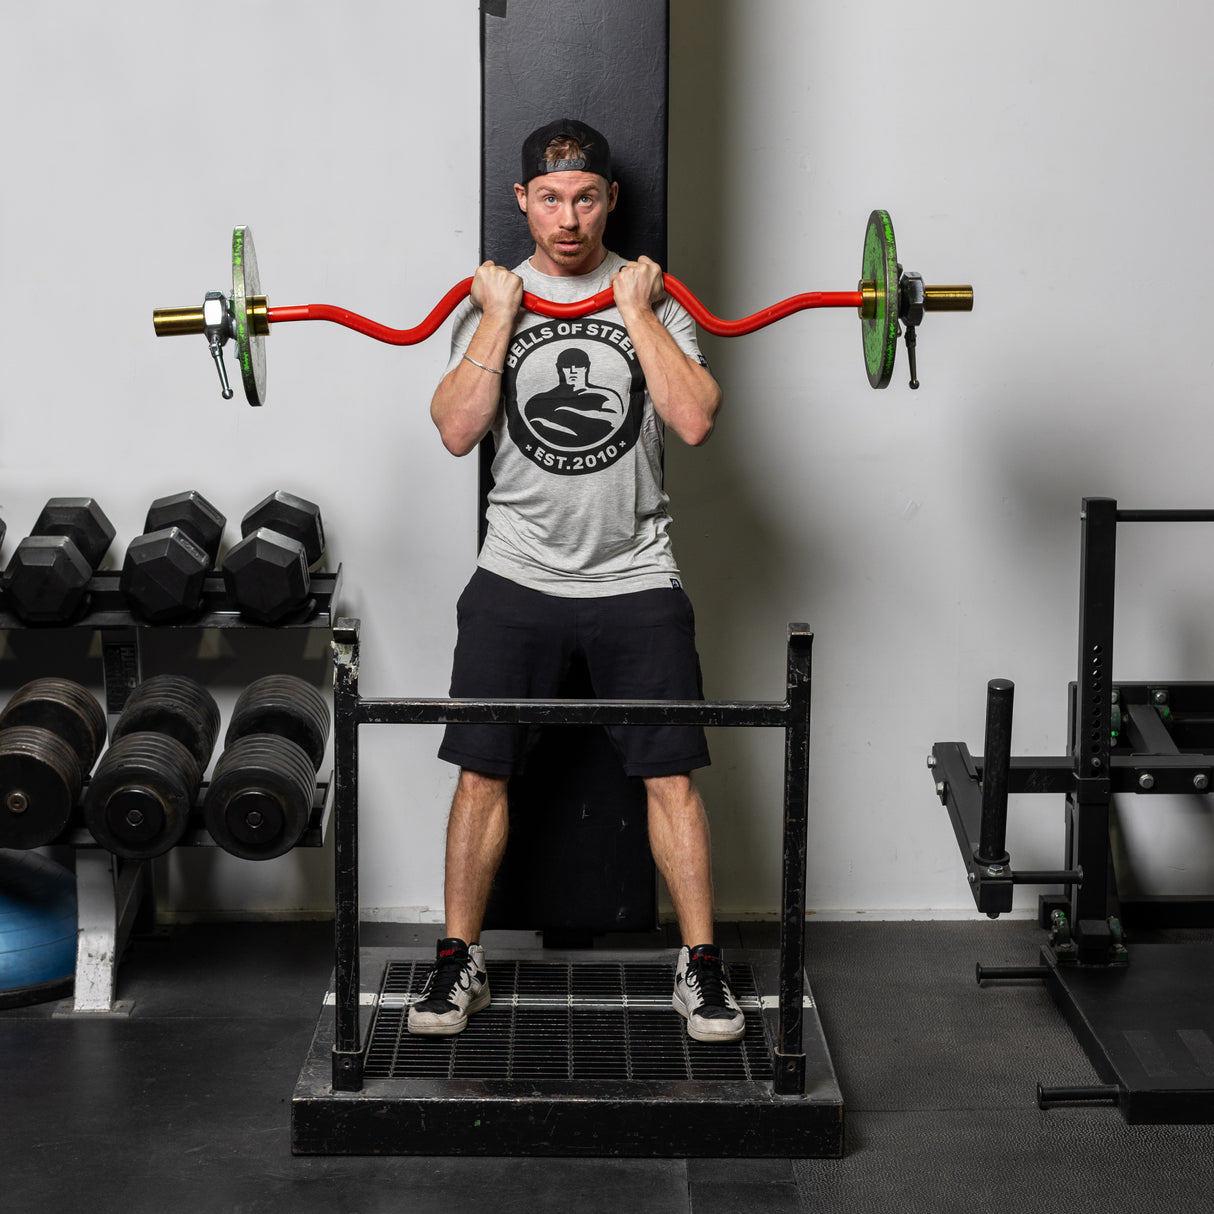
pixel 706 974
pixel 447 975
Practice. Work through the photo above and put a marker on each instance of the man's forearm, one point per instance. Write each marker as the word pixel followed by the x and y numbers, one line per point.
pixel 466 401
pixel 684 393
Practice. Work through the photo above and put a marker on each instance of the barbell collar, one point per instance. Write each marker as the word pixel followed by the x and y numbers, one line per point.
pixel 258 311
pixel 868 297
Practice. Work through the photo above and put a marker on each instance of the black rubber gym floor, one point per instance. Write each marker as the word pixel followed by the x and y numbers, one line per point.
pixel 186 1104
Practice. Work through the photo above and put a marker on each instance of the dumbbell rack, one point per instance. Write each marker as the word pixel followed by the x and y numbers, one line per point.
pixel 110 891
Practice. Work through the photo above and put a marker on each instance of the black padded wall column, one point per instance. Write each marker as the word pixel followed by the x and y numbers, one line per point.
pixel 578 862
pixel 602 61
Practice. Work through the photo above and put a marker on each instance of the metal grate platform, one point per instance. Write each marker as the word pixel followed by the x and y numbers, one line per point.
pixel 565 1020
pixel 579 1054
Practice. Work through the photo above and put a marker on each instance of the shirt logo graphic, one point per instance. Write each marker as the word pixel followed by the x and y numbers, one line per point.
pixel 574 395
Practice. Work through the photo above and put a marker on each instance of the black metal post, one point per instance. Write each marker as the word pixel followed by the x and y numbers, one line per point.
pixel 347 1048
pixel 790 1055
pixel 1089 804
pixel 996 762
pixel 1165 516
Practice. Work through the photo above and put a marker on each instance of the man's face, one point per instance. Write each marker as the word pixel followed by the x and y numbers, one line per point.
pixel 567 214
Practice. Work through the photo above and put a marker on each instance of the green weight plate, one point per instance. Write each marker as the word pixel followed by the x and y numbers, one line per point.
pixel 250 346
pixel 880 266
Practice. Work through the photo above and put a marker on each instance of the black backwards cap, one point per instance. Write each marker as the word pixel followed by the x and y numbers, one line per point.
pixel 595 157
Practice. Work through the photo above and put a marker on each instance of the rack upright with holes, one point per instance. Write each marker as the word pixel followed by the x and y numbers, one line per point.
pixel 111 892
pixel 1139 1003
pixel 580 1053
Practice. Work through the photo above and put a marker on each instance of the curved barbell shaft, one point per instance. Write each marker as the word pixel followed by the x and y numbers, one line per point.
pixel 559 311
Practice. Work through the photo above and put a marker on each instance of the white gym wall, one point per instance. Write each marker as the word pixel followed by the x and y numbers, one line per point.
pixel 1055 155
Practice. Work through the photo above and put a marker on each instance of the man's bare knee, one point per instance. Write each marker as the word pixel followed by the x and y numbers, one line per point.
pixel 479 787
pixel 671 792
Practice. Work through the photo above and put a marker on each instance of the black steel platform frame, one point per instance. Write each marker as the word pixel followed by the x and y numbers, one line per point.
pixel 1143 1011
pixel 328 1117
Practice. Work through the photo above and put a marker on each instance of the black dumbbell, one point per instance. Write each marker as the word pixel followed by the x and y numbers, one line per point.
pixel 139 800
pixel 259 800
pixel 164 568
pixel 47 577
pixel 268 572
pixel 51 732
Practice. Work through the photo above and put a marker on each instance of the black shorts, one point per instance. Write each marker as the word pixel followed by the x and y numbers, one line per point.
pixel 516 643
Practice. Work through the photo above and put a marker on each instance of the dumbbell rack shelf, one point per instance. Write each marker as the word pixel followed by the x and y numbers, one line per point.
pixel 109 890
pixel 197 834
pixel 106 608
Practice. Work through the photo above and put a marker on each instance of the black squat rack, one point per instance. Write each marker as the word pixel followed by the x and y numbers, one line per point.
pixel 580 1052
pixel 1140 1001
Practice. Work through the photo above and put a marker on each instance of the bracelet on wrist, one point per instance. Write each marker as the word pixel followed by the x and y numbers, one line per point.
pixel 481 365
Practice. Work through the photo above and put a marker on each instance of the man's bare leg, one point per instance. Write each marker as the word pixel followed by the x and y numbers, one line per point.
pixel 682 850
pixel 476 838
pixel 476 841
pixel 678 835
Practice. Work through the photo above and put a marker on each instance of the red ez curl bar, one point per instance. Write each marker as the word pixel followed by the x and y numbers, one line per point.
pixel 571 311
pixel 886 298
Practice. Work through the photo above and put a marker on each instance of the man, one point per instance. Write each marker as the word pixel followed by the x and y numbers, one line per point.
pixel 576 561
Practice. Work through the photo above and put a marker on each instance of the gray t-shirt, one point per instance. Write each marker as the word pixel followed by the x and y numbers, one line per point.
pixel 577 508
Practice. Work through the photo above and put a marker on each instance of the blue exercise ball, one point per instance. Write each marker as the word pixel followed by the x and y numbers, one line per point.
pixel 37 929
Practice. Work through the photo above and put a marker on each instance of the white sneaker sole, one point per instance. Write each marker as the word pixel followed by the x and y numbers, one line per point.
pixel 431 1024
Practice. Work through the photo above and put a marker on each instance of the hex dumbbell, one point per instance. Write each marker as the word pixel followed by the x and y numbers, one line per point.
pixel 259 800
pixel 164 568
pixel 268 573
pixel 139 800
pixel 47 578
pixel 51 732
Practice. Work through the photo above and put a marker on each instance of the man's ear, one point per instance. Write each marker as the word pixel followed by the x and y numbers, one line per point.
pixel 520 195
pixel 613 193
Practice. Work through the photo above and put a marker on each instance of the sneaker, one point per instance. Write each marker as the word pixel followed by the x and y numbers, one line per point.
pixel 702 995
pixel 458 986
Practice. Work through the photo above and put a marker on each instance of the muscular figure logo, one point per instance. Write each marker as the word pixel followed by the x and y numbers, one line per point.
pixel 576 413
